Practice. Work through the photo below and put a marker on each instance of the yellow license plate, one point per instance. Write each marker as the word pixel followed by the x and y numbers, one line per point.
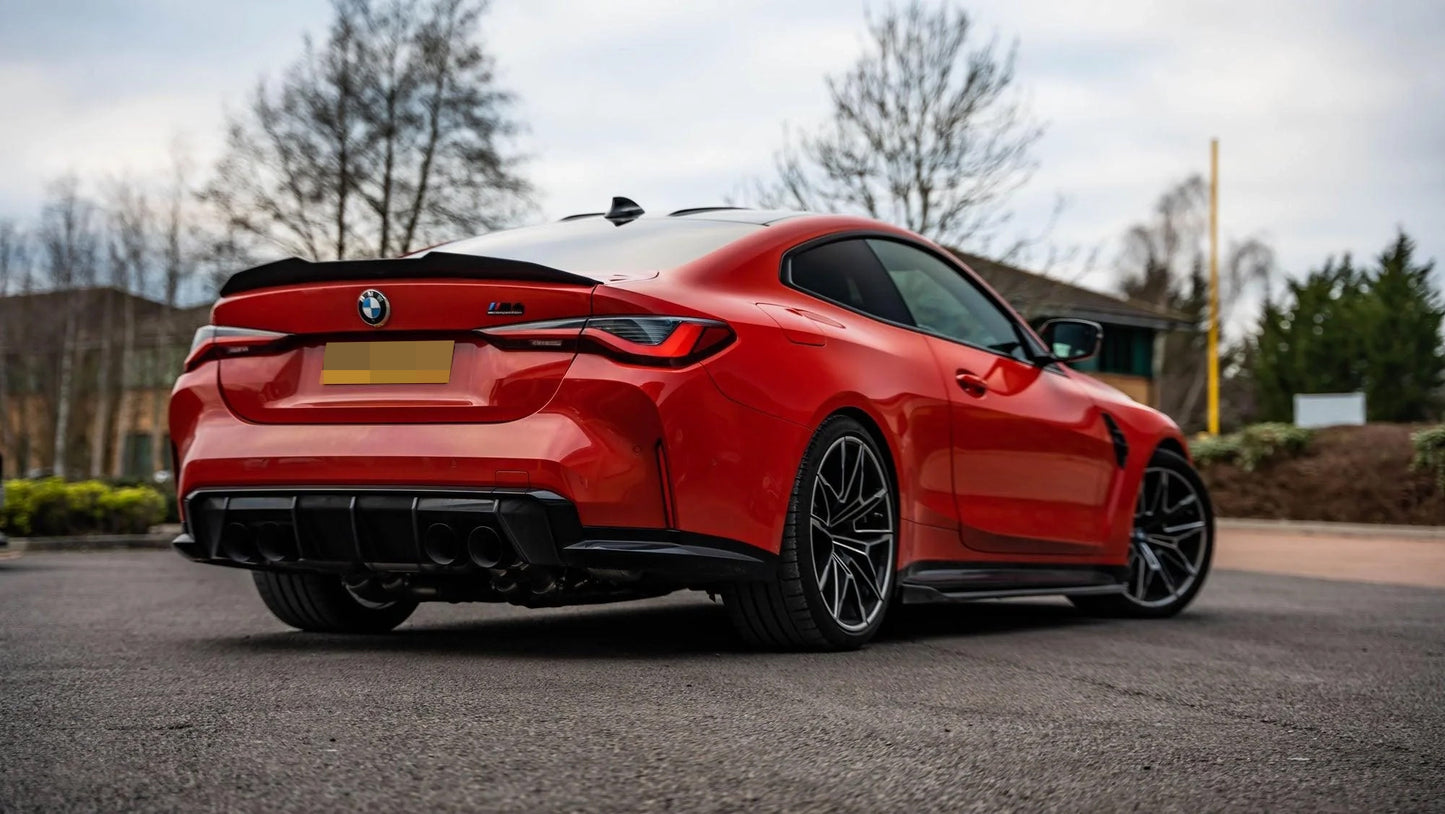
pixel 428 362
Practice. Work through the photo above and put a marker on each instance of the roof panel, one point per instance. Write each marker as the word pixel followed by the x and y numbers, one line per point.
pixel 596 247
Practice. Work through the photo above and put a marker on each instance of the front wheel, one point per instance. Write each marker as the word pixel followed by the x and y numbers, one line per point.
pixel 1171 546
pixel 840 545
pixel 323 604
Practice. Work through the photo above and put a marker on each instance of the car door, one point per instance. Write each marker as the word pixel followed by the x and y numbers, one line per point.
pixel 1032 460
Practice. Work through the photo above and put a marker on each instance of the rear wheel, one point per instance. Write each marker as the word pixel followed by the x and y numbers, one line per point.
pixel 1171 546
pixel 322 603
pixel 840 545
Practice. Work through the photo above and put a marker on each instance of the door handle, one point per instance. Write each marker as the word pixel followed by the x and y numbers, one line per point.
pixel 973 385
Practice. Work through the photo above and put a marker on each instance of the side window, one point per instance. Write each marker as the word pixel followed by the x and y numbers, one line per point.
pixel 848 273
pixel 945 302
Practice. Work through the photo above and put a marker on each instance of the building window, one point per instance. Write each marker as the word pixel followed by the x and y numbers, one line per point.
pixel 1127 351
pixel 138 461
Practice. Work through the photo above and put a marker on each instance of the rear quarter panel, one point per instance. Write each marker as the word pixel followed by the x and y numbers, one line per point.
pixel 800 359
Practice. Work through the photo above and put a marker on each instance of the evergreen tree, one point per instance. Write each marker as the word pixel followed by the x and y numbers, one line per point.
pixel 1344 330
pixel 1400 331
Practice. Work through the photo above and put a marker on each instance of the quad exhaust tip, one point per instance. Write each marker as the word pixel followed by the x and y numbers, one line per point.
pixel 263 542
pixel 483 547
pixel 439 544
pixel 275 542
pixel 238 543
pixel 486 549
pixel 271 542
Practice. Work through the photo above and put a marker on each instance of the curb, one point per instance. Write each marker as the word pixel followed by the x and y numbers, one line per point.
pixel 1329 529
pixel 95 542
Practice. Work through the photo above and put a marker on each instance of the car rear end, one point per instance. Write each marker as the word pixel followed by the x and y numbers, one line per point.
pixel 506 431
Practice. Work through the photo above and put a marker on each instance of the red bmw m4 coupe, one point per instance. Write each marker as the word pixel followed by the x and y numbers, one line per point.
pixel 814 417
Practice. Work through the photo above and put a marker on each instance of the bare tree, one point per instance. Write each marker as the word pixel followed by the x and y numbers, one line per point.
pixel 387 136
pixel 1164 263
pixel 14 272
pixel 177 232
pixel 11 254
pixel 131 226
pixel 928 131
pixel 69 245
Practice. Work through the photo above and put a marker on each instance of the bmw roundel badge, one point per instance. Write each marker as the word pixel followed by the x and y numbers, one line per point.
pixel 373 307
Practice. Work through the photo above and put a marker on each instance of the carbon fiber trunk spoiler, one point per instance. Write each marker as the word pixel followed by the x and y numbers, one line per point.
pixel 433 265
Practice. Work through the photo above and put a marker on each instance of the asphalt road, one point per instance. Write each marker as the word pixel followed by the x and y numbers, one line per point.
pixel 137 681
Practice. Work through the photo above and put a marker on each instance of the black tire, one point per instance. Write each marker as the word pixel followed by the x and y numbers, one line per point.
pixel 1127 604
pixel 320 603
pixel 788 612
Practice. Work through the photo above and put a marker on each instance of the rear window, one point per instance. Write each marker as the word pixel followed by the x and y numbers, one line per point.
pixel 594 246
pixel 848 273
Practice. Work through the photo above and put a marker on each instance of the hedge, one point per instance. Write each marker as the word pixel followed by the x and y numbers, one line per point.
pixel 1430 453
pixel 1252 446
pixel 52 506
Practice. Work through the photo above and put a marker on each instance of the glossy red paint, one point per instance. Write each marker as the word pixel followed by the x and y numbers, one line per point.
pixel 996 460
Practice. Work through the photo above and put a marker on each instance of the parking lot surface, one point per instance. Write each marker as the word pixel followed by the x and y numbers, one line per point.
pixel 137 681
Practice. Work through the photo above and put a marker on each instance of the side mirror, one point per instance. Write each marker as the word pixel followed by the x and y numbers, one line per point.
pixel 1072 340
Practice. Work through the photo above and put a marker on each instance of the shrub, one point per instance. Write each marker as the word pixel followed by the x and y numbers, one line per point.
pixel 132 509
pixel 1260 443
pixel 1214 449
pixel 51 506
pixel 1252 446
pixel 1430 452
pixel 166 490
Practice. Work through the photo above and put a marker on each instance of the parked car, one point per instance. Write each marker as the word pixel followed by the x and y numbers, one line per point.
pixel 812 416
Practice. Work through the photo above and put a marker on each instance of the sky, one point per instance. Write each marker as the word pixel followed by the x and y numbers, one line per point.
pixel 1330 113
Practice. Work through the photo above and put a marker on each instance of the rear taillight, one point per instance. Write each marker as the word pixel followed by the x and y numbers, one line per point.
pixel 643 340
pixel 218 341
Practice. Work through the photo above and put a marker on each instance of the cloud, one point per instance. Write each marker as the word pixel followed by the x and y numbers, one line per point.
pixel 1331 113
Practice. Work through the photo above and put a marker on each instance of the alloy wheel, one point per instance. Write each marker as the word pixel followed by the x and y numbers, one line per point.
pixel 852 533
pixel 1170 542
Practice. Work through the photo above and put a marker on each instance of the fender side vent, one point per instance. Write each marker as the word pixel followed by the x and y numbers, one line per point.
pixel 1121 444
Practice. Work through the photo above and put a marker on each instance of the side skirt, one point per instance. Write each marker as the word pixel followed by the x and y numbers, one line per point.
pixel 961 582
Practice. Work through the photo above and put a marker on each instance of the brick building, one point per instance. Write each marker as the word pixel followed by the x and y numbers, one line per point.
pixel 104 360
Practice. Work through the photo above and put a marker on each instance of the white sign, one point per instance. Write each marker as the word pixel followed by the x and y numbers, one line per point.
pixel 1329 409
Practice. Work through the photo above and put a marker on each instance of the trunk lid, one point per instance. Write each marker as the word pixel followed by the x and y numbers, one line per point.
pixel 394 367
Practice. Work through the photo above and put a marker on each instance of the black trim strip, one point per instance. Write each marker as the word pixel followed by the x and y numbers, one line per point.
pixel 959 581
pixel 919 595
pixel 1121 441
pixel 443 265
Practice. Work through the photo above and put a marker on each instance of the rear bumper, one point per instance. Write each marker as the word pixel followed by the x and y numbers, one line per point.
pixel 350 530
pixel 627 447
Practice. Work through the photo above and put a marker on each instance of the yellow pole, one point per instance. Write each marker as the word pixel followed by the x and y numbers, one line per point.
pixel 1214 286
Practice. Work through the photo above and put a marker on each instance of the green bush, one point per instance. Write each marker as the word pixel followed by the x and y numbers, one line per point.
pixel 1259 443
pixel 1430 452
pixel 51 507
pixel 1214 449
pixel 1252 446
pixel 167 492
pixel 132 510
